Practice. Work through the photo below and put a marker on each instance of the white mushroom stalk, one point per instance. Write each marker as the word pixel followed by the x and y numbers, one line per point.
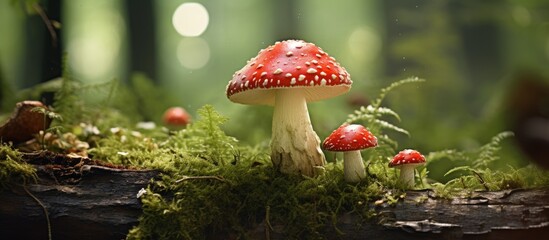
pixel 353 166
pixel 407 173
pixel 294 144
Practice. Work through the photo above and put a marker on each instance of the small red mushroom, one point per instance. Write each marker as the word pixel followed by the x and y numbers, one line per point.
pixel 288 75
pixel 407 160
pixel 350 139
pixel 176 117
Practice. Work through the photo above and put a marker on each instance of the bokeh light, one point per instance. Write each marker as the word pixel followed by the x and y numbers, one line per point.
pixel 95 47
pixel 364 44
pixel 193 53
pixel 190 19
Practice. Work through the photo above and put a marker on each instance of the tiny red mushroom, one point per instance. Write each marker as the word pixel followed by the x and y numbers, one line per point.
pixel 176 117
pixel 287 75
pixel 350 139
pixel 407 160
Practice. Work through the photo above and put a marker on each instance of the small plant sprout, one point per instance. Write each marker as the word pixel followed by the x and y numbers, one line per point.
pixel 288 75
pixel 407 160
pixel 350 139
pixel 176 117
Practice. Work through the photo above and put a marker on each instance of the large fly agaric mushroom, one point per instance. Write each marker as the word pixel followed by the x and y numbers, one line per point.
pixel 407 160
pixel 350 139
pixel 288 75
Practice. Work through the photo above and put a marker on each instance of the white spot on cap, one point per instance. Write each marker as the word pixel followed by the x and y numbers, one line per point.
pixel 315 62
pixel 301 77
pixel 288 75
pixel 289 54
pixel 312 83
pixel 307 63
pixel 263 74
pixel 323 82
pixel 292 82
pixel 318 55
pixel 277 71
pixel 311 70
pixel 259 66
pixel 265 82
pixel 298 67
pixel 246 83
pixel 322 74
pixel 316 77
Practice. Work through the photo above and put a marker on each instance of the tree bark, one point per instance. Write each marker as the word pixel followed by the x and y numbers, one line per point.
pixel 102 204
pixel 510 214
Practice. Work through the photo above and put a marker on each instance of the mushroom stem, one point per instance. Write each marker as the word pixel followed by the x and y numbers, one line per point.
pixel 295 147
pixel 407 175
pixel 353 166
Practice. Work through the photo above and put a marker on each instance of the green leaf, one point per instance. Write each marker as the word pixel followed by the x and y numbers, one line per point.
pixel 456 169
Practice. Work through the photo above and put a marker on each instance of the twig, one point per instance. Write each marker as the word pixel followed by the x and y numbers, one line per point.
pixel 47 21
pixel 268 227
pixel 481 180
pixel 43 208
pixel 185 178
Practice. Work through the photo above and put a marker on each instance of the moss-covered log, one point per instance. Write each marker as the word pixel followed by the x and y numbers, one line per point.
pixel 101 203
pixel 511 214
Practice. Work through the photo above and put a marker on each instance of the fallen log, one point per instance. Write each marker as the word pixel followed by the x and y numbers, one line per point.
pixel 102 204
pixel 88 201
pixel 509 214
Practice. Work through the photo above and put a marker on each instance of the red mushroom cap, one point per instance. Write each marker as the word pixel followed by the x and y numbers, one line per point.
pixel 288 64
pixel 349 138
pixel 176 116
pixel 407 156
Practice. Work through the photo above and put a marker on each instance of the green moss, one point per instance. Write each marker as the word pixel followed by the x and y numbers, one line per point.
pixel 13 170
pixel 240 199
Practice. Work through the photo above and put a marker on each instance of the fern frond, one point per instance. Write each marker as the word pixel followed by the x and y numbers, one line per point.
pixel 488 152
pixel 387 125
pixel 205 138
pixel 369 112
pixel 449 154
pixel 377 102
pixel 457 169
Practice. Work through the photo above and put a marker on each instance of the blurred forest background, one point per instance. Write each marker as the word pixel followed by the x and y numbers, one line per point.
pixel 486 62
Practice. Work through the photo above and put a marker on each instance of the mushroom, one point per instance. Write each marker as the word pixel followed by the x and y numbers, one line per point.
pixel 176 117
pixel 288 75
pixel 350 139
pixel 407 160
pixel 25 122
